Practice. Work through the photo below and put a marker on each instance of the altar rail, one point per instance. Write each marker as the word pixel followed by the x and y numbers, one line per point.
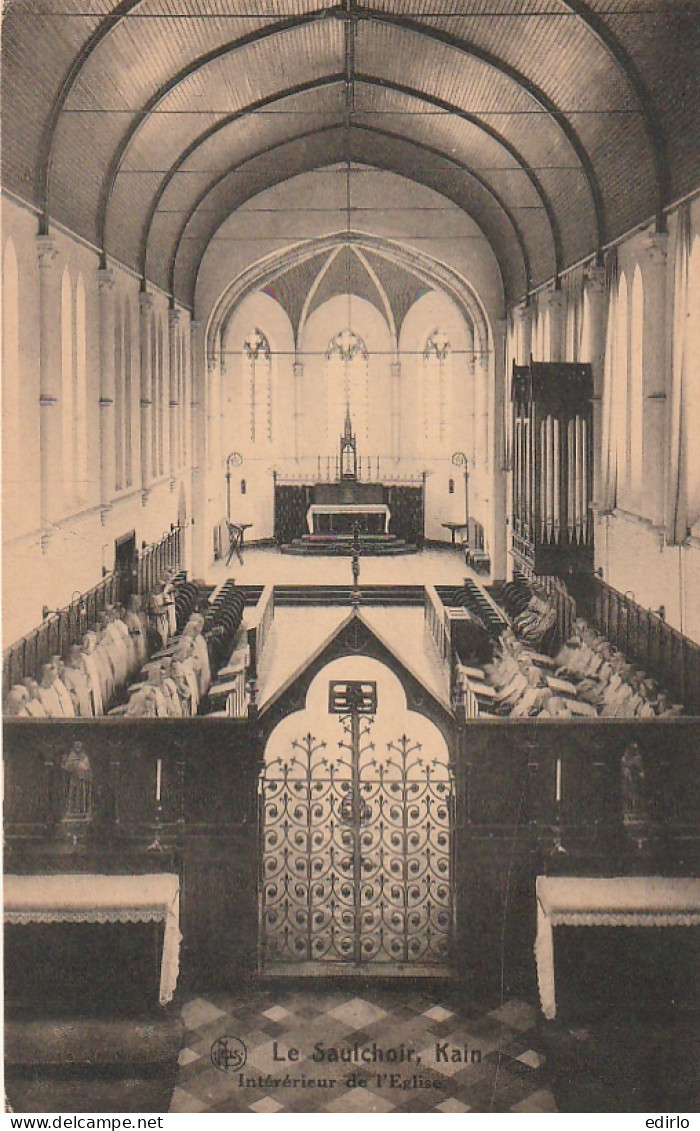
pixel 644 637
pixel 60 629
pixel 153 560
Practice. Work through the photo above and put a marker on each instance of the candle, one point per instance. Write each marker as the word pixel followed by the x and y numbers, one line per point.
pixel 558 791
pixel 159 772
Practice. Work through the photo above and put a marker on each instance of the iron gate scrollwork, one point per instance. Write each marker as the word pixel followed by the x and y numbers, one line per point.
pixel 356 855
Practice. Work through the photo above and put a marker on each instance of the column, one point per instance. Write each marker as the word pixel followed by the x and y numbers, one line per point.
pixel 595 333
pixel 298 372
pixel 396 409
pixel 146 347
pixel 105 282
pixel 174 392
pixel 654 375
pixel 555 306
pixel 50 424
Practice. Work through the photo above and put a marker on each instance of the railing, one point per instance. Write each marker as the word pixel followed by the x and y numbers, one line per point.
pixel 60 629
pixel 434 613
pixel 153 560
pixel 326 469
pixel 644 637
pixel 260 626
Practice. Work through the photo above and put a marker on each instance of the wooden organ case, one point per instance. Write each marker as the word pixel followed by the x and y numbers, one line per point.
pixel 552 467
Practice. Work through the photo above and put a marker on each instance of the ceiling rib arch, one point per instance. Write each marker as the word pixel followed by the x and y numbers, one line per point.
pixel 429 269
pixel 652 123
pixel 370 131
pixel 534 91
pixel 539 96
pixel 591 20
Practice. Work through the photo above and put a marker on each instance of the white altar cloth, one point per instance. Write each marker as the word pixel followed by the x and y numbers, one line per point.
pixel 102 899
pixel 350 508
pixel 619 901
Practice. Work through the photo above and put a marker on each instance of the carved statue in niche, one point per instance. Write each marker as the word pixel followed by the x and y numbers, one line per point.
pixel 77 791
pixel 636 816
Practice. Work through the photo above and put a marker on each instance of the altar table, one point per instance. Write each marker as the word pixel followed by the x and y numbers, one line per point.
pixel 102 899
pixel 349 509
pixel 619 901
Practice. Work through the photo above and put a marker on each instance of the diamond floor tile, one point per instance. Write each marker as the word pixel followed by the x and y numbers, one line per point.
pixel 198 1012
pixel 357 1013
pixel 361 1035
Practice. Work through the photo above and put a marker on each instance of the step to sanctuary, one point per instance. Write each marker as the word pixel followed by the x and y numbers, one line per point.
pixel 343 544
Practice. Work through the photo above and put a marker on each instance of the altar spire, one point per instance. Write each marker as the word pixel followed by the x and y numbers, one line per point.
pixel 348 449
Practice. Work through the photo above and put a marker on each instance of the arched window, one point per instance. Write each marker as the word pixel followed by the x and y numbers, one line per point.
pixel 67 389
pixel 81 394
pixel 636 386
pixel 437 385
pixel 257 380
pixel 620 399
pixel 10 369
pixel 347 370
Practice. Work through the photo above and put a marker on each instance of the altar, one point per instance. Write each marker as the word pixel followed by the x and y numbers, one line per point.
pixel 319 516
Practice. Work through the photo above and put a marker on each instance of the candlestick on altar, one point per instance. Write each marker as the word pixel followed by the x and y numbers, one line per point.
pixel 159 773
pixel 558 785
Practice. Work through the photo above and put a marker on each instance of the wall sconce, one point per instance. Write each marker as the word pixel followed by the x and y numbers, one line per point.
pixel 451 487
pixel 599 572
pixel 660 612
pixel 244 486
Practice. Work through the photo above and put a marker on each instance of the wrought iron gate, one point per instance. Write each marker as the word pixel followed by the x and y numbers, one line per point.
pixel 356 854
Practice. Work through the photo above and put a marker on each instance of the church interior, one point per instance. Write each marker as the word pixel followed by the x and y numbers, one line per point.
pixel 351 555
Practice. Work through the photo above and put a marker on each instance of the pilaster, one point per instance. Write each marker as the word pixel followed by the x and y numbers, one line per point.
pixel 597 316
pixel 146 344
pixel 50 423
pixel 105 283
pixel 174 385
pixel 396 409
pixel 523 315
pixel 555 306
pixel 298 373
pixel 654 375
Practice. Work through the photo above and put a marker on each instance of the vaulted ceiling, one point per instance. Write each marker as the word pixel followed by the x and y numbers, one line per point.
pixel 558 125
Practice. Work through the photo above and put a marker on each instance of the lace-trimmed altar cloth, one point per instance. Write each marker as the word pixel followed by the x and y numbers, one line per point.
pixel 102 899
pixel 619 901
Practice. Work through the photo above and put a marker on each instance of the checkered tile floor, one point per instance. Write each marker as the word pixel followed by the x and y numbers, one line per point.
pixel 502 1070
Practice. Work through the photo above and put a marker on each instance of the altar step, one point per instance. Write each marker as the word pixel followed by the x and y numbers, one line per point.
pixel 343 544
pixel 295 595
